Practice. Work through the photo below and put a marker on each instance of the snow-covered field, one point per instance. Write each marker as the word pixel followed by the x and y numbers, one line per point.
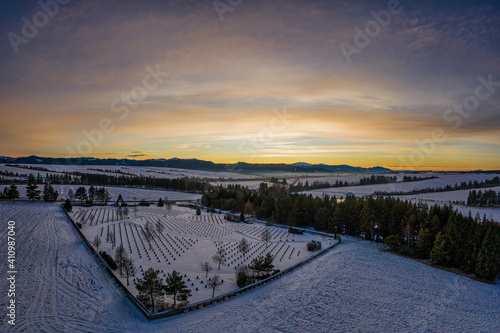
pixel 128 193
pixel 188 240
pixel 443 180
pixel 353 288
pixel 440 198
pixel 157 172
pixel 449 197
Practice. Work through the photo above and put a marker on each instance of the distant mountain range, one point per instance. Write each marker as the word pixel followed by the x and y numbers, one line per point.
pixel 195 164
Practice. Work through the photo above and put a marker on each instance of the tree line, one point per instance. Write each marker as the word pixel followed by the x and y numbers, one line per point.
pixel 380 179
pixel 32 193
pixel 495 181
pixel 487 198
pixel 438 232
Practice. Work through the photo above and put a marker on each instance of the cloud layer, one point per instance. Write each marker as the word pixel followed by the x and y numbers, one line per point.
pixel 228 79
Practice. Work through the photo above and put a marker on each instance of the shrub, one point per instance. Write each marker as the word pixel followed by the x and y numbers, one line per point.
pixel 242 277
pixel 313 246
pixel 109 260
pixel 79 225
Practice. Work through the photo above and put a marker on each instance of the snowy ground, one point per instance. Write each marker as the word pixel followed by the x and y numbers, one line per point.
pixel 157 172
pixel 353 288
pixel 188 240
pixel 443 180
pixel 128 193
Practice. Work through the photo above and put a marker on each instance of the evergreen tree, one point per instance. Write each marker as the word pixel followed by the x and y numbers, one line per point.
pixel 32 191
pixel 267 264
pixel 488 258
pixel 176 287
pixel 92 195
pixel 160 202
pixel 150 286
pixel 198 211
pixel 13 192
pixel 81 194
pixel 439 253
pixel 67 206
pixel 424 243
pixel 49 194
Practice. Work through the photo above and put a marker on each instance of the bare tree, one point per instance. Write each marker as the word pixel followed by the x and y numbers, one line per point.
pixel 128 268
pixel 219 257
pixel 119 213
pixel 125 212
pixel 147 232
pixel 244 247
pixel 214 283
pixel 206 267
pixel 168 205
pixel 159 227
pixel 266 236
pixel 120 257
pixel 135 207
pixel 97 242
pixel 111 238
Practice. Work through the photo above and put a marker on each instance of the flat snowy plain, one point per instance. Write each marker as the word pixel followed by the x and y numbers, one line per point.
pixel 353 288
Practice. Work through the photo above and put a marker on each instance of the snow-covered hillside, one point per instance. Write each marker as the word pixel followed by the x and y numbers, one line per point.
pixel 128 193
pixel 354 287
pixel 116 170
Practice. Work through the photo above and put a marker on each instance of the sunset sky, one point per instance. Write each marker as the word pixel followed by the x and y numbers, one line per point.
pixel 256 81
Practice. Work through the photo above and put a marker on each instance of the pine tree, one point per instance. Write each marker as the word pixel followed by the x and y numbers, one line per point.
pixel 160 202
pixel 150 286
pixel 176 287
pixel 13 192
pixel 424 243
pixel 439 252
pixel 92 195
pixel 488 258
pixel 81 194
pixel 267 264
pixel 67 205
pixel 32 191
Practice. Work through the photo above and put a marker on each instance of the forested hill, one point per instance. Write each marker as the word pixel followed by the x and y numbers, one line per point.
pixel 194 164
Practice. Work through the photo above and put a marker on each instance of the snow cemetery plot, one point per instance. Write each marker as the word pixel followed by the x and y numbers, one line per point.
pixel 182 240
